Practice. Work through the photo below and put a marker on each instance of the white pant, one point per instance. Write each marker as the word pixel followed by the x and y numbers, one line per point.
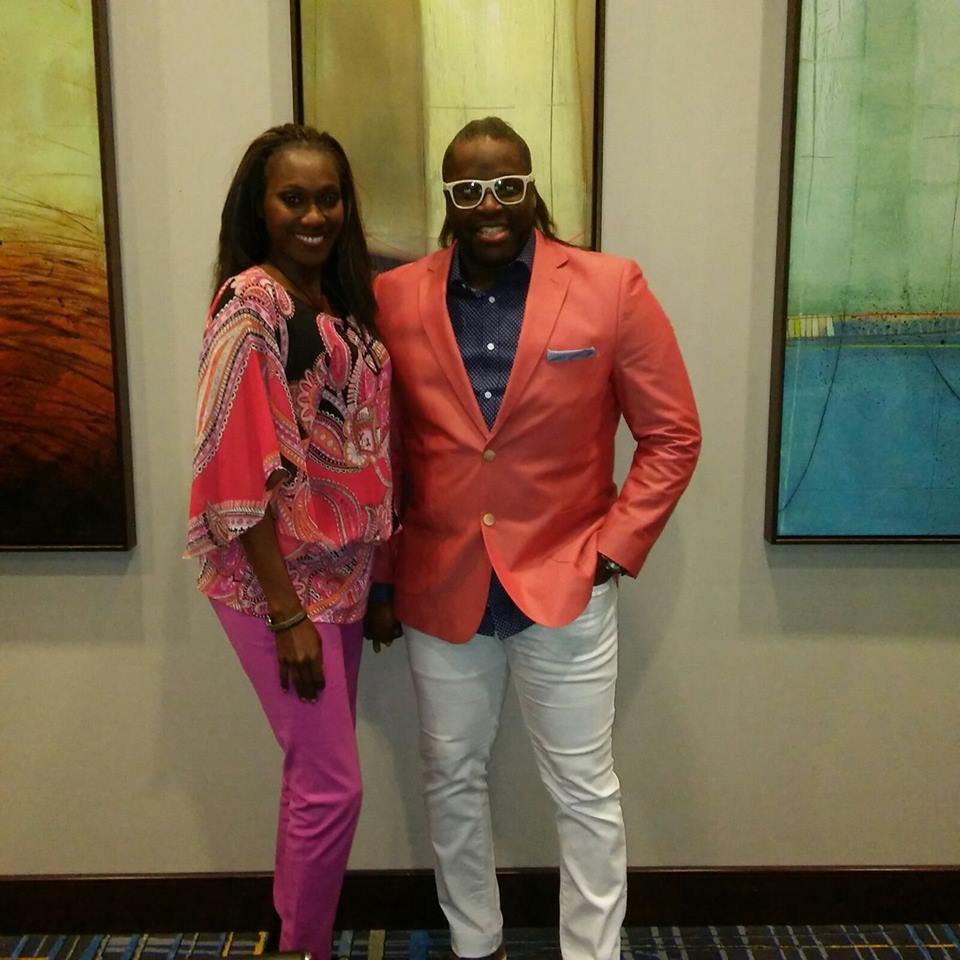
pixel 565 678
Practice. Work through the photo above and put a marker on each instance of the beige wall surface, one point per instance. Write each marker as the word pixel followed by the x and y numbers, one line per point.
pixel 777 705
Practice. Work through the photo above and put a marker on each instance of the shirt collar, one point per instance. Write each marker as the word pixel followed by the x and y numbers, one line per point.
pixel 523 261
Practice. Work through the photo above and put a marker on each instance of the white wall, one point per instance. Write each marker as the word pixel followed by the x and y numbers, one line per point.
pixel 778 705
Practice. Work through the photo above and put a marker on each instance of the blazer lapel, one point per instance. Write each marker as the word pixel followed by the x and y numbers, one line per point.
pixel 439 330
pixel 548 289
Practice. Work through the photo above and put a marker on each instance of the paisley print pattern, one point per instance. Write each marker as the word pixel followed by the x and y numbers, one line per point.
pixel 325 436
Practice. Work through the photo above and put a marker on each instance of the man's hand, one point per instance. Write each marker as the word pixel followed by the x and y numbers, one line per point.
pixel 380 625
pixel 300 656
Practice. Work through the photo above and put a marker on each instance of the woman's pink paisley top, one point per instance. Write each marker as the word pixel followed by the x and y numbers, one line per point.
pixel 324 427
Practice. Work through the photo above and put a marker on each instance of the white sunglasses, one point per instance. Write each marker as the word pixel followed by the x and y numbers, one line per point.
pixel 467 194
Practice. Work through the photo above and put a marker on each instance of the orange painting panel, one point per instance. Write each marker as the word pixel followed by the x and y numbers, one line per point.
pixel 64 449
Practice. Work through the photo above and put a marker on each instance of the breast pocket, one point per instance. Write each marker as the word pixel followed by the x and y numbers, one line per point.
pixel 571 355
pixel 573 374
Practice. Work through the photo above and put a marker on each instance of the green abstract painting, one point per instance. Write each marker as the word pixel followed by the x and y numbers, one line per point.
pixel 866 412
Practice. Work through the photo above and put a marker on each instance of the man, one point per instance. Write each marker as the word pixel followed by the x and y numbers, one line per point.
pixel 514 356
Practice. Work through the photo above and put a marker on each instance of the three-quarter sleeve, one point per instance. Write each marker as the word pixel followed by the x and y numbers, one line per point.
pixel 245 429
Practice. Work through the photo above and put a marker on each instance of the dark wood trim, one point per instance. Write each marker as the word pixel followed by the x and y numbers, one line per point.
pixel 787 151
pixel 138 903
pixel 405 899
pixel 814 895
pixel 782 538
pixel 111 230
pixel 599 52
pixel 296 59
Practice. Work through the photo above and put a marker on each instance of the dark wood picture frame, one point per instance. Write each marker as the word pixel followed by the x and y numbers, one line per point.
pixel 46 523
pixel 296 38
pixel 772 530
pixel 787 149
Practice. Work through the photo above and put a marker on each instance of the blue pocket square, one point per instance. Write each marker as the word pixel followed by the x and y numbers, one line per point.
pixel 561 356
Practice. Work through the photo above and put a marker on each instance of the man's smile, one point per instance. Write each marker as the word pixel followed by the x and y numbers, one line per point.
pixel 493 232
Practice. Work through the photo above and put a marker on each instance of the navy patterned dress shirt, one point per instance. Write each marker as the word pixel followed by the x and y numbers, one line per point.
pixel 487 325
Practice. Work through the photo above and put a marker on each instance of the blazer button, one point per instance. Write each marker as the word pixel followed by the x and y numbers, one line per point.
pixel 488 519
pixel 489 455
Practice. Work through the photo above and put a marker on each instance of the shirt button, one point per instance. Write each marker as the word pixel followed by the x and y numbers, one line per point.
pixel 490 346
pixel 489 455
pixel 492 299
pixel 487 394
pixel 488 519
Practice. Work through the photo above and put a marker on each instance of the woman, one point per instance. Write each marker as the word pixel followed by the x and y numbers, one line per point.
pixel 291 487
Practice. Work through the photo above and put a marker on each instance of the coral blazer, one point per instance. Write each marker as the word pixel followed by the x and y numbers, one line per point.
pixel 533 496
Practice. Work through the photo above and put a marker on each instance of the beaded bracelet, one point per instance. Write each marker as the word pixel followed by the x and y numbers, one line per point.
pixel 278 626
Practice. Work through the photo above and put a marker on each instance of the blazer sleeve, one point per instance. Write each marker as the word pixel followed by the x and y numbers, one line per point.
pixel 655 397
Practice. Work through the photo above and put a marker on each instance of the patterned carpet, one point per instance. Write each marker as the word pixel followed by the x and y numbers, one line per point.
pixel 126 946
pixel 932 941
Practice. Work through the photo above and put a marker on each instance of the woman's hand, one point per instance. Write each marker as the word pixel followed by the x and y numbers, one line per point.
pixel 300 656
pixel 380 625
pixel 299 652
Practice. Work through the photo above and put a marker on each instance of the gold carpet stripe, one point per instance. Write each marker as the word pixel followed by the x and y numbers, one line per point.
pixel 375 944
pixel 141 943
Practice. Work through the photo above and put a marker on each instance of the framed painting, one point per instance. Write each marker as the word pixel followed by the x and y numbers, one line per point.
pixel 65 469
pixel 394 83
pixel 864 441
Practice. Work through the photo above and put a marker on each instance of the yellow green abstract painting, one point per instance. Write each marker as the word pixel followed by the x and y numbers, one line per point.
pixel 395 81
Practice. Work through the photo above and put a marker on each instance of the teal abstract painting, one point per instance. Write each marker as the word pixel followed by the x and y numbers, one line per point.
pixel 865 424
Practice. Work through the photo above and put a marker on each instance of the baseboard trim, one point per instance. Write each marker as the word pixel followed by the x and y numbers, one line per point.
pixel 404 899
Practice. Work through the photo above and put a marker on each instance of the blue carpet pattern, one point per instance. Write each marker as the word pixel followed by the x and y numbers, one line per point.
pixel 928 941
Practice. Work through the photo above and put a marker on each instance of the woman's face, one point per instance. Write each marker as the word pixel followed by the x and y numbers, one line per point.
pixel 302 208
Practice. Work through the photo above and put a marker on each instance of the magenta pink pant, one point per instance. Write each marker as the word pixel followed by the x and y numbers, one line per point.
pixel 320 793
